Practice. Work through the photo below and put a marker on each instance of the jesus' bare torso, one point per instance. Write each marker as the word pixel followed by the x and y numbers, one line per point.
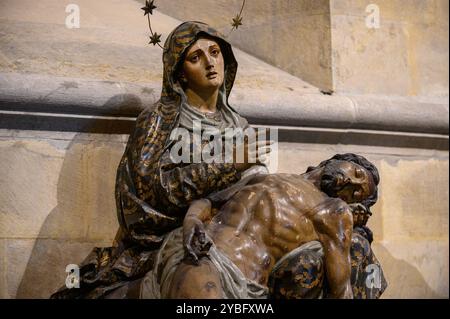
pixel 269 217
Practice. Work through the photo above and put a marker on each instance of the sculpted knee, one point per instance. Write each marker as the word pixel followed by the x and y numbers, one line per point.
pixel 196 282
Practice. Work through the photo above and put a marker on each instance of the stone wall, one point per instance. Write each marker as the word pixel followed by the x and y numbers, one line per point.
pixel 301 28
pixel 410 219
pixel 328 44
pixel 57 195
pixel 59 86
pixel 406 55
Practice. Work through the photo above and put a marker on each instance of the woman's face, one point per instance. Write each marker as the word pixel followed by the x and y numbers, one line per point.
pixel 203 66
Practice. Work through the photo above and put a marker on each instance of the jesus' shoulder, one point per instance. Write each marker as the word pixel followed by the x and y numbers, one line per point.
pixel 274 201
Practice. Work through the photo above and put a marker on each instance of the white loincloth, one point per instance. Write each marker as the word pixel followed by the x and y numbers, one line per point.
pixel 235 285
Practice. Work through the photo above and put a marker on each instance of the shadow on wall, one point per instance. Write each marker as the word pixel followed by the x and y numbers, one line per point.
pixel 404 280
pixel 85 215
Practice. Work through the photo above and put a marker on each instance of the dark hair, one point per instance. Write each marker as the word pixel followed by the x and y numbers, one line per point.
pixel 362 161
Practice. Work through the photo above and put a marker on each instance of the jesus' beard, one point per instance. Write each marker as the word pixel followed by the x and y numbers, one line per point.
pixel 329 180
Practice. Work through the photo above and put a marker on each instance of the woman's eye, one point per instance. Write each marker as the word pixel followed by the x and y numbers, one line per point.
pixel 194 58
pixel 215 52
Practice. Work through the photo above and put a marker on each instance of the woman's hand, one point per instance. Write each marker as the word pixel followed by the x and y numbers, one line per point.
pixel 252 152
pixel 195 242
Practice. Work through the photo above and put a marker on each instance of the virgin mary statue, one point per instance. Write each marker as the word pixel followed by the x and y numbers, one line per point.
pixel 152 192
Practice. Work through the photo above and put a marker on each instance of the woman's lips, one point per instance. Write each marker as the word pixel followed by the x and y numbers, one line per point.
pixel 211 75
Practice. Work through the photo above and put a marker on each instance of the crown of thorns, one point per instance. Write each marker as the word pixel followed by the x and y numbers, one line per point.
pixel 155 38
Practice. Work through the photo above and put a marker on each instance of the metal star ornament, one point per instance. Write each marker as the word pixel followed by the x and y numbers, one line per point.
pixel 237 21
pixel 149 6
pixel 155 39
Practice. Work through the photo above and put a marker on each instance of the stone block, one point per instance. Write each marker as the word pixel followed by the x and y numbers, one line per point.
pixel 58 189
pixel 411 45
pixel 36 268
pixel 414 269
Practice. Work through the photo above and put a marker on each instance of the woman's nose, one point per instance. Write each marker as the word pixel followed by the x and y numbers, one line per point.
pixel 209 61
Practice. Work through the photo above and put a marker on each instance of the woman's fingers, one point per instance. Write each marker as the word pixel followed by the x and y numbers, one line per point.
pixel 259 146
pixel 255 148
pixel 259 152
pixel 264 150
